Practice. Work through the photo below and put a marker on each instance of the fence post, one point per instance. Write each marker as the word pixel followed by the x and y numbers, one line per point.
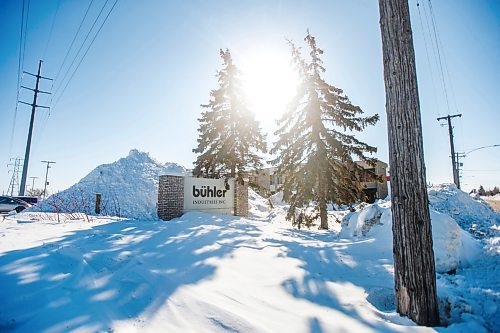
pixel 98 203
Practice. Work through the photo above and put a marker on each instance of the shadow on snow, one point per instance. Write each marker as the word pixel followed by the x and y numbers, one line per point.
pixel 93 277
pixel 327 260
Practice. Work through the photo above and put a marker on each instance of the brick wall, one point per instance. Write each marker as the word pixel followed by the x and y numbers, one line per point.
pixel 170 197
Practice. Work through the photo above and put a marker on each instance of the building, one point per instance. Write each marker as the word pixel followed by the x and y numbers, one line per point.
pixel 268 182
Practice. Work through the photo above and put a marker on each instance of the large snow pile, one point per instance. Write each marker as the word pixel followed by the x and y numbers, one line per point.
pixel 473 215
pixel 129 188
pixel 452 245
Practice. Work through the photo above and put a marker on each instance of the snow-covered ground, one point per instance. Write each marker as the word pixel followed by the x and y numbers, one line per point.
pixel 215 273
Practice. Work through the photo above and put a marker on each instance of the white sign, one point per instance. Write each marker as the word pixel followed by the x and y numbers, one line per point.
pixel 209 195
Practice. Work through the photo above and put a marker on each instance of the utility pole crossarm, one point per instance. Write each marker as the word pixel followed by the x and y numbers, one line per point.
pixel 37 106
pixel 41 77
pixel 40 91
pixel 450 116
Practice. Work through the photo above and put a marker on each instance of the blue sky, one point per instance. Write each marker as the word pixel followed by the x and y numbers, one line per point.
pixel 153 64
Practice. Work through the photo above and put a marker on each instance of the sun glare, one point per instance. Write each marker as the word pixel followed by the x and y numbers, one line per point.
pixel 269 82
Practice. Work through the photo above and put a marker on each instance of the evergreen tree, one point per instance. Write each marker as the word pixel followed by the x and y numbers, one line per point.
pixel 495 190
pixel 316 145
pixel 481 191
pixel 229 136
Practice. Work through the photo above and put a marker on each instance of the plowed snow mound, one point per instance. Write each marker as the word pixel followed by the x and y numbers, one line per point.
pixel 453 247
pixel 129 188
pixel 257 205
pixel 473 215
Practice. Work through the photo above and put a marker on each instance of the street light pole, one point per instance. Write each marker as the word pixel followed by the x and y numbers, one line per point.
pixel 462 155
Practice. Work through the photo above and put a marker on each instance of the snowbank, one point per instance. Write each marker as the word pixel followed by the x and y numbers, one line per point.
pixel 129 188
pixel 495 197
pixel 257 205
pixel 473 215
pixel 452 245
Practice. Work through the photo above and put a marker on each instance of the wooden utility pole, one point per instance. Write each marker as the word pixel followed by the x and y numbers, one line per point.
pixel 46 177
pixel 414 268
pixel 454 160
pixel 33 183
pixel 33 105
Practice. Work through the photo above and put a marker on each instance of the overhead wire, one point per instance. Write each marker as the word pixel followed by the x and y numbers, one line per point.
pixel 20 65
pixel 431 72
pixel 51 28
pixel 80 48
pixel 86 51
pixel 447 77
pixel 439 58
pixel 45 119
pixel 444 79
pixel 74 39
pixel 25 32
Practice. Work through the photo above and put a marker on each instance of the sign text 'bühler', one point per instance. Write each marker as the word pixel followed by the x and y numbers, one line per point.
pixel 211 193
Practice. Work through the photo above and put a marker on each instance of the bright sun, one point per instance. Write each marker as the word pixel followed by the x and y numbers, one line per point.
pixel 270 82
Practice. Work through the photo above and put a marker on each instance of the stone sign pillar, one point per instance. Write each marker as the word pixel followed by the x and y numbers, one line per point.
pixel 170 197
pixel 241 199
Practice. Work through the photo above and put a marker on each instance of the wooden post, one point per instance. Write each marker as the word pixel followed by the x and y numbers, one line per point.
pixel 98 203
pixel 414 268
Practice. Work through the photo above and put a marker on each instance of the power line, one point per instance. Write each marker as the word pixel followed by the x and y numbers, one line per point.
pixel 21 38
pixel 88 48
pixel 440 62
pixel 51 28
pixel 20 64
pixel 74 39
pixel 431 72
pixel 25 32
pixel 81 46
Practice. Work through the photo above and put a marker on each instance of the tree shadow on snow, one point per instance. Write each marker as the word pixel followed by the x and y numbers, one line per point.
pixel 353 266
pixel 116 271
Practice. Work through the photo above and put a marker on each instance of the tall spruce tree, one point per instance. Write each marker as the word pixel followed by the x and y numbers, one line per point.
pixel 316 145
pixel 229 136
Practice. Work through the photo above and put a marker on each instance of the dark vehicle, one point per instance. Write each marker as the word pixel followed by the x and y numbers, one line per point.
pixel 8 204
pixel 30 200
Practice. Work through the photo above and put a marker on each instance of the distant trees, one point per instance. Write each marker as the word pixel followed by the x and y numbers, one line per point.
pixel 495 191
pixel 315 147
pixel 482 192
pixel 35 192
pixel 229 136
